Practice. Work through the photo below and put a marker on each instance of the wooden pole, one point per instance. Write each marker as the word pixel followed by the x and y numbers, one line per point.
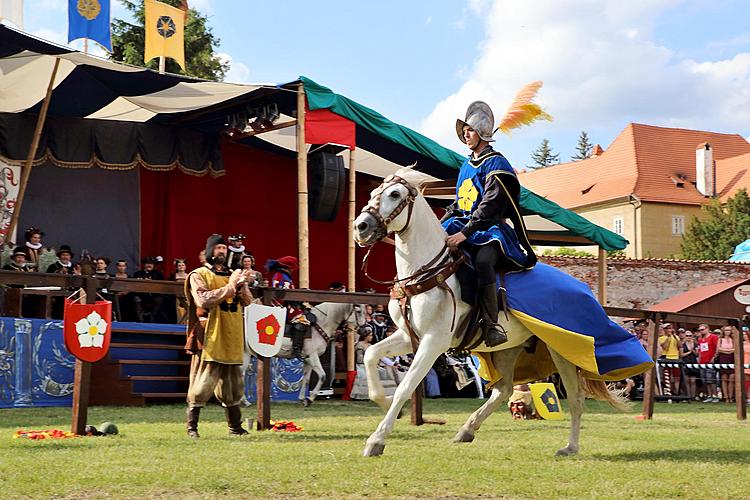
pixel 263 382
pixel 417 415
pixel 162 64
pixel 26 173
pixel 602 277
pixel 303 235
pixel 351 284
pixel 82 373
pixel 739 374
pixel 649 384
pixel 85 45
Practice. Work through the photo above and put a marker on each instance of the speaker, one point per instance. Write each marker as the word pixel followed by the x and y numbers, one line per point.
pixel 326 183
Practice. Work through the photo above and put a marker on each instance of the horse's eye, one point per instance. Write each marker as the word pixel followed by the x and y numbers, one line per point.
pixel 395 194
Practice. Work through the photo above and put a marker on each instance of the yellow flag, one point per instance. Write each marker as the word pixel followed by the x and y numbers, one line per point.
pixel 165 32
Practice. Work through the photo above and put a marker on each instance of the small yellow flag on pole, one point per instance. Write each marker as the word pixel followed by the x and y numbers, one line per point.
pixel 165 32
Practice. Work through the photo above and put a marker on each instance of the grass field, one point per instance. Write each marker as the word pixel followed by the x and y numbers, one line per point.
pixel 687 451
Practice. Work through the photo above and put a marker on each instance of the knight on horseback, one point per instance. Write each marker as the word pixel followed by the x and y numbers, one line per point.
pixel 487 193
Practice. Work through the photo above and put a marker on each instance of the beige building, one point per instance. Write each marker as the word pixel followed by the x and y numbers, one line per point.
pixel 649 184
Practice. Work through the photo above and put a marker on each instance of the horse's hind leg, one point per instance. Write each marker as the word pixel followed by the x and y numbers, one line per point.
pixel 317 367
pixel 504 361
pixel 569 375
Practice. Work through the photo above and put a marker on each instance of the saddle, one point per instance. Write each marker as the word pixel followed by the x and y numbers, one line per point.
pixel 303 322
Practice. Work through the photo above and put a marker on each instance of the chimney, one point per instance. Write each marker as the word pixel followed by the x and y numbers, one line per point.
pixel 705 170
pixel 596 151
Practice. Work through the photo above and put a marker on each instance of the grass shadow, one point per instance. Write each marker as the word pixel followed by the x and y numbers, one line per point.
pixel 680 455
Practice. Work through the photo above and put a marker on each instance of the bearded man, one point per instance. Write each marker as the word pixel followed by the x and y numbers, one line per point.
pixel 216 297
pixel 487 195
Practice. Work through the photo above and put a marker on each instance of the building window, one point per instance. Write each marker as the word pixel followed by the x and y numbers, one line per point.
pixel 678 225
pixel 618 225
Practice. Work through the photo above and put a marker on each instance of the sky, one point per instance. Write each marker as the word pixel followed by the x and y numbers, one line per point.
pixel 604 63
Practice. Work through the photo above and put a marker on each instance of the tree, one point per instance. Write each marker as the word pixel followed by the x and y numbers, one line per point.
pixel 722 227
pixel 128 42
pixel 583 148
pixel 543 156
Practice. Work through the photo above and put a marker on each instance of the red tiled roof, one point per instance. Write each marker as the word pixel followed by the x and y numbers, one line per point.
pixel 732 174
pixel 696 295
pixel 643 160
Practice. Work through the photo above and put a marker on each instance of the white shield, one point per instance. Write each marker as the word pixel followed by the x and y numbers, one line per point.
pixel 264 329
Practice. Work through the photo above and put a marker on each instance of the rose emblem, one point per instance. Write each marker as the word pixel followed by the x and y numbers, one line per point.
pixel 89 8
pixel 467 195
pixel 268 329
pixel 91 330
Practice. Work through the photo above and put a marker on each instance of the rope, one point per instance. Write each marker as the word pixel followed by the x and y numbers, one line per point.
pixel 715 366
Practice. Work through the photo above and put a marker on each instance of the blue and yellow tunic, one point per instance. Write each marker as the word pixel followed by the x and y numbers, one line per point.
pixel 487 194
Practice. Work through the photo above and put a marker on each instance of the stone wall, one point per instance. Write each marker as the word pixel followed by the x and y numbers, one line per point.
pixel 641 283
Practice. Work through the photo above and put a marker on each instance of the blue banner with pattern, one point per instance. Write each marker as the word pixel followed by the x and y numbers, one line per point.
pixel 90 19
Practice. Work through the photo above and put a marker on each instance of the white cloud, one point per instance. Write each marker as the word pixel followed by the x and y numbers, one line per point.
pixel 54 36
pixel 238 72
pixel 601 67
pixel 202 6
pixel 428 21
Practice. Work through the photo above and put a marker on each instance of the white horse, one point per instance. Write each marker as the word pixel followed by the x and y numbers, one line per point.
pixel 398 207
pixel 329 316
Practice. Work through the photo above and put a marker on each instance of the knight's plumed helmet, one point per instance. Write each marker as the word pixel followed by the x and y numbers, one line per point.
pixel 479 117
pixel 211 242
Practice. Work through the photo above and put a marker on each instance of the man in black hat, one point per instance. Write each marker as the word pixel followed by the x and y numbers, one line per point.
pixel 64 264
pixel 149 307
pixel 149 271
pixel 216 297
pixel 18 261
pixel 236 251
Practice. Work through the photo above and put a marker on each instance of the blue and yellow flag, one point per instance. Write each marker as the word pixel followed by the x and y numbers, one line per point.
pixel 165 32
pixel 90 19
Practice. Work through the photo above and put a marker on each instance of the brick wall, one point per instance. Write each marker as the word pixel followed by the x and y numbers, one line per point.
pixel 641 283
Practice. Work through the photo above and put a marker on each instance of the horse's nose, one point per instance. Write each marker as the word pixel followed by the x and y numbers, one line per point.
pixel 363 225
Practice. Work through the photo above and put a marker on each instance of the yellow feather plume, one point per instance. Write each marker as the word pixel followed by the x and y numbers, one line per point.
pixel 523 111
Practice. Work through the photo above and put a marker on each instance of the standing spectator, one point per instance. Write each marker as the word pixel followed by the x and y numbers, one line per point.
pixel 359 389
pixel 255 277
pixel 707 344
pixel 33 237
pixel 725 355
pixel 180 275
pixel 381 323
pixel 100 270
pixel 689 349
pixel 236 250
pixel 64 264
pixel 670 344
pixel 121 269
pixel 746 348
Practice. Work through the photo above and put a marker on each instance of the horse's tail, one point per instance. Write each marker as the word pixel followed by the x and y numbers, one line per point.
pixel 599 390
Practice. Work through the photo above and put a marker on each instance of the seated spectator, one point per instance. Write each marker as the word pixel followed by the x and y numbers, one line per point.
pixel 180 274
pixel 256 277
pixel 236 250
pixel 33 237
pixel 121 268
pixel 18 261
pixel 280 271
pixel 64 264
pixel 100 271
pixel 149 271
pixel 337 286
pixel 380 323
pixel 150 307
pixel 202 258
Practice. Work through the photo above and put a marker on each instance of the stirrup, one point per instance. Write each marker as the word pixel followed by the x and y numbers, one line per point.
pixel 497 331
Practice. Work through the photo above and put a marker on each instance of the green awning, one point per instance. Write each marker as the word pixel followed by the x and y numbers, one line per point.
pixel 320 97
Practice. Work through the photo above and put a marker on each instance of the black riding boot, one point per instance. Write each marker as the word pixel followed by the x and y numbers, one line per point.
pixel 193 412
pixel 494 334
pixel 234 421
pixel 298 342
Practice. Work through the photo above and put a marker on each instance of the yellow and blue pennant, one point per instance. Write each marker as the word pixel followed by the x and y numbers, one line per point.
pixel 90 19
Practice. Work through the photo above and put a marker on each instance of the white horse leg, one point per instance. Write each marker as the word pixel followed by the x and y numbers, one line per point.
pixel 569 375
pixel 306 371
pixel 395 345
pixel 504 361
pixel 430 348
pixel 317 367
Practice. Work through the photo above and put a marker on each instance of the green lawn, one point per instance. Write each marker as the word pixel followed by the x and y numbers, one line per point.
pixel 687 451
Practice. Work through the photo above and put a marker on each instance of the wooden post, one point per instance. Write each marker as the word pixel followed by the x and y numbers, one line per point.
pixel 162 64
pixel 602 278
pixel 303 234
pixel 263 382
pixel 649 383
pixel 739 374
pixel 26 173
pixel 417 415
pixel 82 374
pixel 351 284
pixel 351 339
pixel 85 45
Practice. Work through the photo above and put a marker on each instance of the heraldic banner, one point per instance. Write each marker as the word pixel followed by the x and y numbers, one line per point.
pixel 87 329
pixel 264 329
pixel 9 178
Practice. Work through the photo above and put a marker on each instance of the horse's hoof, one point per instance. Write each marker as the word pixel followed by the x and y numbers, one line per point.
pixel 566 452
pixel 307 402
pixel 400 413
pixel 463 436
pixel 373 449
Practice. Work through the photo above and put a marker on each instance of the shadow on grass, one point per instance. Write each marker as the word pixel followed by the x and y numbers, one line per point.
pixel 683 455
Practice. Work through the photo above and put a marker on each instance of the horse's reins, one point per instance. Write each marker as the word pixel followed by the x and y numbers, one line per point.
pixel 435 274
pixel 319 328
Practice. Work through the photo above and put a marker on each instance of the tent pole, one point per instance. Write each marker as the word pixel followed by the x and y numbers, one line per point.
pixel 602 278
pixel 351 284
pixel 85 45
pixel 26 173
pixel 162 64
pixel 302 207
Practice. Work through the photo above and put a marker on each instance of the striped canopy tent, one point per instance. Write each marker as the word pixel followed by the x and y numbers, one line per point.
pixel 116 117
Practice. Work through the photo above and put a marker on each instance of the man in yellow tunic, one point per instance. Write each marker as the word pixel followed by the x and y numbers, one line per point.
pixel 216 297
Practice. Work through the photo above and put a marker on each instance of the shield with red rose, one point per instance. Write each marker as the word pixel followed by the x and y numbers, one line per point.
pixel 87 329
pixel 264 329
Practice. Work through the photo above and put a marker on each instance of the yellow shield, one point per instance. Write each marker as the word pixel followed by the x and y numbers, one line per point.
pixel 546 402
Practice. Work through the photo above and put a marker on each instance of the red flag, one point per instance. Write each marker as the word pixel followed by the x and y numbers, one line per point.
pixel 87 329
pixel 323 126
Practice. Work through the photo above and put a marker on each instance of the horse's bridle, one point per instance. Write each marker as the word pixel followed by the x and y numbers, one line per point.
pixel 373 206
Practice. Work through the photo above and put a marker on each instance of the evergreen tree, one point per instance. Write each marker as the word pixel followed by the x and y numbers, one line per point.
pixel 129 39
pixel 583 148
pixel 544 156
pixel 722 227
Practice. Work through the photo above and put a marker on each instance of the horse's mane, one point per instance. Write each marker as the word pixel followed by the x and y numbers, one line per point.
pixel 412 176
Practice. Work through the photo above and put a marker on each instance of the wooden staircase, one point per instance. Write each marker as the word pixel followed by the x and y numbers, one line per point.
pixel 145 364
